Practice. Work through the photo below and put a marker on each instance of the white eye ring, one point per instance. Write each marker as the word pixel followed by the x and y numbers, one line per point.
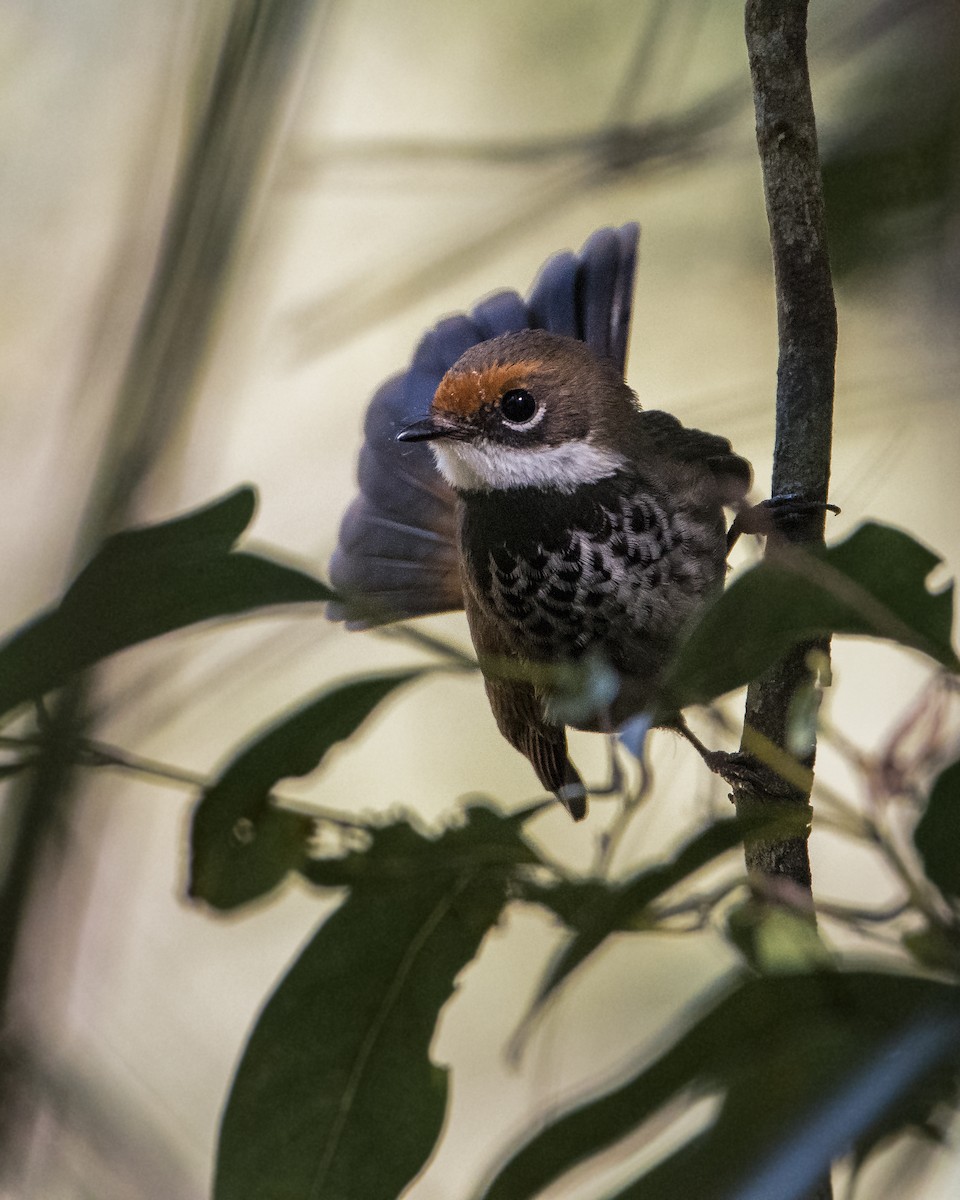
pixel 519 409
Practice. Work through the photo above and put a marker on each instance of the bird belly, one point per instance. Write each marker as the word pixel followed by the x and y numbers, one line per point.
pixel 621 591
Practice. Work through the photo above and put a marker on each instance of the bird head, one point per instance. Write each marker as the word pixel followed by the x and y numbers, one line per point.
pixel 529 409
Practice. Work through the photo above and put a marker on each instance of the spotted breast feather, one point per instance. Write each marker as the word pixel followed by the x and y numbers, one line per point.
pixel 614 568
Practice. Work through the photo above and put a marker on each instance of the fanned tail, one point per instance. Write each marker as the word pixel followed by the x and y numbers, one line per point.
pixel 396 552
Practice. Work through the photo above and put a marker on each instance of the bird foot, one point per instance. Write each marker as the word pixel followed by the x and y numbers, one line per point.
pixel 779 514
pixel 737 769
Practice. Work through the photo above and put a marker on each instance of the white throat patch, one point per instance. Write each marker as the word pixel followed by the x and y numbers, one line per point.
pixel 483 466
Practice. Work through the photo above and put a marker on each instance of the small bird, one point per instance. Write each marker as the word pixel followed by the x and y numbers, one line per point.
pixel 570 523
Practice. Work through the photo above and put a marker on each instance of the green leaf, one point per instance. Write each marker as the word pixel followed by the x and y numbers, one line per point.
pixel 934 947
pixel 775 939
pixel 335 1095
pixel 872 584
pixel 937 836
pixel 808 1066
pixel 570 900
pixel 146 582
pixel 493 839
pixel 241 844
pixel 625 906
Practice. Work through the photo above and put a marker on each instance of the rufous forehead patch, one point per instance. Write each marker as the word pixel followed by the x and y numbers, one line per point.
pixel 466 392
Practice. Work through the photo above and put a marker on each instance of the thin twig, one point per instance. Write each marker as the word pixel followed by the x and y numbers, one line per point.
pixel 701 905
pixel 864 916
pixel 630 800
pixel 88 752
pixel 456 658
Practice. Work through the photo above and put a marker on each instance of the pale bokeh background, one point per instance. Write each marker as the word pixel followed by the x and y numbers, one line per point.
pixel 139 1004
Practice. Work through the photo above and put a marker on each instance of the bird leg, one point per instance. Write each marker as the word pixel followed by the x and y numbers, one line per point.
pixel 734 767
pixel 615 782
pixel 773 516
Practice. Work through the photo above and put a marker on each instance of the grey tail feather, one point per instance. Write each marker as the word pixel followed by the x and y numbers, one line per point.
pixel 573 795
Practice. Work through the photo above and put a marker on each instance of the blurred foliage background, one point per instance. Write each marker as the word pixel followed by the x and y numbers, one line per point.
pixel 222 225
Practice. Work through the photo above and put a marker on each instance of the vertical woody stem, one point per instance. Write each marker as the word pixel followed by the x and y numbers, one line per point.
pixel 776 33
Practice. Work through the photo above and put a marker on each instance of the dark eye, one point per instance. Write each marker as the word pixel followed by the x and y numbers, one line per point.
pixel 518 406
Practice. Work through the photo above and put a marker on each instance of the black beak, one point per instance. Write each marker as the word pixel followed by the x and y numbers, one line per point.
pixel 422 431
